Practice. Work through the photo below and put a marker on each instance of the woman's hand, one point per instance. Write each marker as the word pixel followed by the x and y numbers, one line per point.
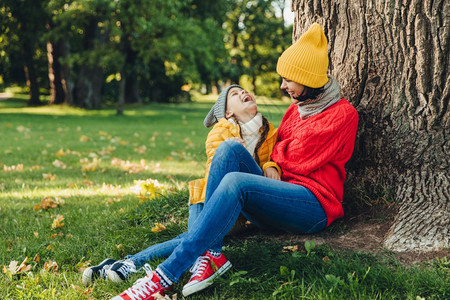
pixel 272 172
pixel 237 139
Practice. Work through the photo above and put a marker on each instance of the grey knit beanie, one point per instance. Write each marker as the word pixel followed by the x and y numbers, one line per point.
pixel 217 112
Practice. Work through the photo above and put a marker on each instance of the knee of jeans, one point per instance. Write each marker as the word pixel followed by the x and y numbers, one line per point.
pixel 229 146
pixel 231 179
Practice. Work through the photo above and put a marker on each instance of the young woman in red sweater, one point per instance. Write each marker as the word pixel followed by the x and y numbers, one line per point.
pixel 315 140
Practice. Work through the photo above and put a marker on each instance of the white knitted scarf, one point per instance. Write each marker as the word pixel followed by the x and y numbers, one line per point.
pixel 250 132
pixel 329 96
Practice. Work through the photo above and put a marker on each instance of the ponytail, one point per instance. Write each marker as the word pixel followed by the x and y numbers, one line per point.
pixel 264 131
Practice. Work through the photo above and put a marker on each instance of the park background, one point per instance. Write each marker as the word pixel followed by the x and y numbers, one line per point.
pixel 101 128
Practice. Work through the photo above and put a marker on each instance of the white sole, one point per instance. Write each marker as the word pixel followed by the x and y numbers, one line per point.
pixel 194 287
pixel 87 276
pixel 113 276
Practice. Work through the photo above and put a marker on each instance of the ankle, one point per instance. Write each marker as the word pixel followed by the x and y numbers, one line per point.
pixel 165 281
pixel 214 253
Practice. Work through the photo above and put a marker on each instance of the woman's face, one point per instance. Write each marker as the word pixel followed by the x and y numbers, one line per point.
pixel 294 89
pixel 241 105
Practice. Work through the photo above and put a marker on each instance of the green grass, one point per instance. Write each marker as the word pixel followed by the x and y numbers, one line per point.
pixel 104 218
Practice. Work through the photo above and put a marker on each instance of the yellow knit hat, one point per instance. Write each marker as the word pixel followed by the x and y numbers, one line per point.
pixel 306 61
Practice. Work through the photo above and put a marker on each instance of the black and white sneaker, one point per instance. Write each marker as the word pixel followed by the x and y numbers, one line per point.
pixel 120 270
pixel 98 271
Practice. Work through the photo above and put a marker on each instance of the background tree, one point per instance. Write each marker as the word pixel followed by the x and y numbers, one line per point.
pixel 21 25
pixel 392 59
pixel 257 37
pixel 89 52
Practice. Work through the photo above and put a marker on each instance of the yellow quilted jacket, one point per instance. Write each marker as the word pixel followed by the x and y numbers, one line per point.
pixel 223 130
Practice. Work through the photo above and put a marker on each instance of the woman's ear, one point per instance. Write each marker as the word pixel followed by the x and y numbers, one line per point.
pixel 228 114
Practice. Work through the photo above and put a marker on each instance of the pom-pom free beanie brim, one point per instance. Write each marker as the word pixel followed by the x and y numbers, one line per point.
pixel 217 112
pixel 306 61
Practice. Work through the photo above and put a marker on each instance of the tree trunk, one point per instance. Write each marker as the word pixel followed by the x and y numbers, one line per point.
pixel 132 89
pixel 30 73
pixel 57 95
pixel 87 91
pixel 131 82
pixel 122 85
pixel 66 81
pixel 392 60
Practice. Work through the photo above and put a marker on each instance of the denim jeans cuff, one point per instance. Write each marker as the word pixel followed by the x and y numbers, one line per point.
pixel 168 274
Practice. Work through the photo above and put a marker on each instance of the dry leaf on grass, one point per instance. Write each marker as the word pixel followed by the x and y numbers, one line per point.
pixel 158 296
pixel 59 164
pixel 49 176
pixel 290 248
pixel 51 266
pixel 14 269
pixel 57 222
pixel 84 139
pixel 49 202
pixel 158 228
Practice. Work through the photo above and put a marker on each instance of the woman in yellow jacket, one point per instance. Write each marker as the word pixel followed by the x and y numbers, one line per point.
pixel 237 118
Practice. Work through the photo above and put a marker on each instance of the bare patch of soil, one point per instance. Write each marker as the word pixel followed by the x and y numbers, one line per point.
pixel 364 236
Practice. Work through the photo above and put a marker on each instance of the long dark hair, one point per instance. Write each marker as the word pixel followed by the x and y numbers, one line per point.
pixel 309 95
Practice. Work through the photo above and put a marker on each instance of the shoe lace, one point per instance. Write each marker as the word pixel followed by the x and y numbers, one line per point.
pixel 102 271
pixel 127 268
pixel 142 287
pixel 199 266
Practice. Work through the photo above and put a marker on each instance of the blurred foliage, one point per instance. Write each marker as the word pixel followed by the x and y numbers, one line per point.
pixel 89 52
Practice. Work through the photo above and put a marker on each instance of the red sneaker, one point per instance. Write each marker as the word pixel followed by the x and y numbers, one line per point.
pixel 144 288
pixel 204 270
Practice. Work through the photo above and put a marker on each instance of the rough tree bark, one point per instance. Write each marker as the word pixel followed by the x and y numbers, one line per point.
pixel 57 95
pixel 392 60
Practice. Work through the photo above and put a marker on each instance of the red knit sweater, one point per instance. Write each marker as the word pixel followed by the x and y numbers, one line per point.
pixel 312 152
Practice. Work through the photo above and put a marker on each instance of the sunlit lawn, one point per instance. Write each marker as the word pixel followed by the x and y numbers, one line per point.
pixel 87 165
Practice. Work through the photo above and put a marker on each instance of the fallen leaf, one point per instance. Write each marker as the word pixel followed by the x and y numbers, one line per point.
pixel 59 164
pixel 141 150
pixel 18 167
pixel 158 296
pixel 60 153
pixel 90 166
pixel 326 259
pixel 290 248
pixel 88 182
pixel 49 202
pixel 84 139
pixel 51 266
pixel 37 258
pixel 158 227
pixel 14 269
pixel 57 222
pixel 49 176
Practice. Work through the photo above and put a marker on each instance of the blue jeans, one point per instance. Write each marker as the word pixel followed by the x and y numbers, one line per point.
pixel 164 249
pixel 236 185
